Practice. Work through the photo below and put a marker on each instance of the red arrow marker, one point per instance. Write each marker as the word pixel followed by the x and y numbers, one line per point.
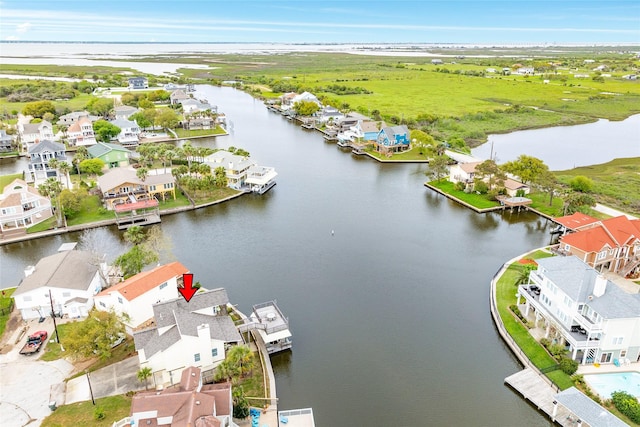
pixel 188 291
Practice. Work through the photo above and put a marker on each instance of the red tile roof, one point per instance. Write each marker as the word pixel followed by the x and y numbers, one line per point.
pixel 575 221
pixel 612 232
pixel 137 285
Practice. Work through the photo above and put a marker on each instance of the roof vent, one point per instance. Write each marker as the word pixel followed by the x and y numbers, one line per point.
pixel 197 402
pixel 193 374
pixel 29 270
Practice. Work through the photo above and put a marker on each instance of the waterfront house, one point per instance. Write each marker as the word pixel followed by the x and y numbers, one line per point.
pixel 33 133
pixel 305 97
pixel 177 96
pixel 136 295
pixel 138 83
pixel 611 244
pixel 22 206
pixel 272 326
pixel 6 141
pixel 516 188
pixel 195 123
pixel 195 333
pixel 81 132
pixel 328 114
pixel 189 403
pixel 124 112
pixel 463 172
pixel 286 100
pixel 67 280
pixel 525 71
pixel 436 61
pixel 573 222
pixel 129 131
pixel 113 155
pixel 577 307
pixel 122 186
pixel 392 139
pixel 190 106
pixel 235 167
pixel 40 155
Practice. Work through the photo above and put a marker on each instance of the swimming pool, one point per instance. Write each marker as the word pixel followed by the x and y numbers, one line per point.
pixel 605 384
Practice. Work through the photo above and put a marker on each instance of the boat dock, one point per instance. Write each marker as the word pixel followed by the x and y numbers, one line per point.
pixel 537 391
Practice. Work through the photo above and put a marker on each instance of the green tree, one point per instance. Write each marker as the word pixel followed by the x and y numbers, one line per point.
pixel 305 108
pixel 81 154
pixel 144 374
pixel 242 358
pixel 52 188
pixel 135 235
pixel 167 118
pixel 221 177
pixel 142 173
pixel 50 117
pixel 240 404
pixel 38 109
pixel 71 200
pixel 95 335
pixel 100 106
pixel 91 166
pixel 548 183
pixel 133 261
pixel 578 202
pixel 489 171
pixel 581 184
pixel 438 168
pixel 64 169
pixel 105 131
pixel 527 168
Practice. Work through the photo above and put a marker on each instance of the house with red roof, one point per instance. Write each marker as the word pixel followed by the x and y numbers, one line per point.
pixel 188 404
pixel 136 295
pixel 607 245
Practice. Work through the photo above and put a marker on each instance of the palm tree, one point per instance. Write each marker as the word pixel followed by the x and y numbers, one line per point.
pixel 52 188
pixel 242 357
pixel 143 374
pixel 65 168
pixel 142 173
pixel 81 154
pixel 134 234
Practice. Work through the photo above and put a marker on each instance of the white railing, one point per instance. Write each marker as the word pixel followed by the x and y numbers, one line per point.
pixel 123 422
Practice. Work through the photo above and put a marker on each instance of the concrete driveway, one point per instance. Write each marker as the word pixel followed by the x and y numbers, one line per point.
pixel 118 378
pixel 25 390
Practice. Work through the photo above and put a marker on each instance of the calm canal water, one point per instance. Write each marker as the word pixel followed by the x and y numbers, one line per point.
pixel 390 314
pixel 566 147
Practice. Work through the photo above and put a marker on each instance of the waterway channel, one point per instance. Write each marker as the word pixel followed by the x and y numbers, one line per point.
pixel 385 283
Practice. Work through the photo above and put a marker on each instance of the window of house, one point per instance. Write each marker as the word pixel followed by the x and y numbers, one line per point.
pixel 164 285
pixel 102 304
pixel 152 188
pixel 66 294
pixel 602 255
pixel 27 298
pixel 120 300
pixel 617 340
pixel 196 357
pixel 214 352
pixel 623 353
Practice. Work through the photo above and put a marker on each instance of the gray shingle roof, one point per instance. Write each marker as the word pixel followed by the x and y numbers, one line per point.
pixel 65 270
pixel 183 319
pixel 586 409
pixel 46 145
pixel 102 148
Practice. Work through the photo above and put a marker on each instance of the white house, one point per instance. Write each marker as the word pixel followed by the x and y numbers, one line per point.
pixel 129 131
pixel 195 333
pixel 67 281
pixel 136 295
pixel 236 167
pixel 81 132
pixel 594 318
pixel 463 172
pixel 40 155
pixel 22 206
pixel 33 133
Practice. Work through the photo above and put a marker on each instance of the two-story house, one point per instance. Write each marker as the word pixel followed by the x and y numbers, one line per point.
pixel 113 155
pixel 6 141
pixel 40 155
pixel 81 132
pixel 195 333
pixel 22 206
pixel 124 111
pixel 235 166
pixel 393 139
pixel 611 244
pixel 129 131
pixel 70 118
pixel 122 185
pixel 138 83
pixel 579 308
pixel 33 133
pixel 67 281
pixel 136 295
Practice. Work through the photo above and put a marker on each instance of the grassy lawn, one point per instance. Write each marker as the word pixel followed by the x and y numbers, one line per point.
pixel 201 197
pixel 541 203
pixel 480 201
pixel 181 200
pixel 5 302
pixel 253 384
pixel 91 212
pixel 45 225
pixel 82 413
pixel 183 133
pixel 7 179
pixel 73 104
pixel 615 184
pixel 410 155
pixel 505 296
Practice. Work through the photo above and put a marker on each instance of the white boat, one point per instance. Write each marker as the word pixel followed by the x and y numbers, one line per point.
pixel 261 178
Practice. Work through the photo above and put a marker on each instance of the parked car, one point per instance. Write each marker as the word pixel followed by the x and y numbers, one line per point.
pixel 34 343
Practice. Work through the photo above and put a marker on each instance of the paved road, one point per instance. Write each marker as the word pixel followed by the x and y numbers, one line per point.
pixel 612 212
pixel 118 378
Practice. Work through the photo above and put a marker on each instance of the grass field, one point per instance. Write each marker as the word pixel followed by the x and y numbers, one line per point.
pixel 480 201
pixel 82 413
pixel 5 302
pixel 616 183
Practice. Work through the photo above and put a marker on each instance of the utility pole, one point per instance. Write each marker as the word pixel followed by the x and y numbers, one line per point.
pixel 53 314
pixel 90 389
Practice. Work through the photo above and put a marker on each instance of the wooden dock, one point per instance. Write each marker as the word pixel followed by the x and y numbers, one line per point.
pixel 541 395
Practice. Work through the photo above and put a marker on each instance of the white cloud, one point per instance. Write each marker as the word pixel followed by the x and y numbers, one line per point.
pixel 11 38
pixel 23 28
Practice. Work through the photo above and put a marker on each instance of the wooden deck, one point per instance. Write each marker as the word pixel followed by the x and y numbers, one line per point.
pixel 540 393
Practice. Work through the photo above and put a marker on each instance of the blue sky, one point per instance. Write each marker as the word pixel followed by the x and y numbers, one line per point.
pixel 310 21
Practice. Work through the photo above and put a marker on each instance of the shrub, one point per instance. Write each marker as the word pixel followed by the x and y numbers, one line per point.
pixel 568 366
pixel 98 413
pixel 460 186
pixel 627 405
pixel 481 187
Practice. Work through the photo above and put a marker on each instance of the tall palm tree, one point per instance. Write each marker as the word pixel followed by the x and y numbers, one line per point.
pixel 143 374
pixel 242 357
pixel 65 168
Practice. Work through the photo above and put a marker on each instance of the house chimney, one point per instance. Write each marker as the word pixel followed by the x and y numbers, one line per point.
pixel 600 286
pixel 29 270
